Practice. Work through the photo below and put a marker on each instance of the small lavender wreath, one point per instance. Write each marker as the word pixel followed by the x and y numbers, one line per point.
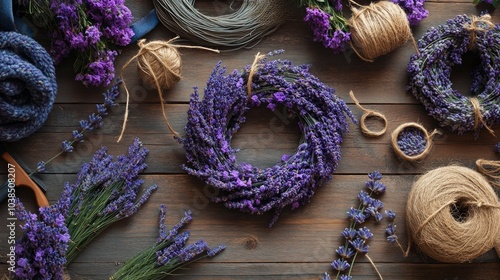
pixel 440 49
pixel 213 121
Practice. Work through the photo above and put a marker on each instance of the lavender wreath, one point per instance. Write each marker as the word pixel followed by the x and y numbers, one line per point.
pixel 213 121
pixel 440 49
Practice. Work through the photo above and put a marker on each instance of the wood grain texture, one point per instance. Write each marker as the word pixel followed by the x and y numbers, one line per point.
pixel 302 244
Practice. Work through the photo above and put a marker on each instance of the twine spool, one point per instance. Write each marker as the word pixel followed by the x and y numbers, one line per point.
pixel 428 137
pixel 378 29
pixel 369 114
pixel 160 66
pixel 452 215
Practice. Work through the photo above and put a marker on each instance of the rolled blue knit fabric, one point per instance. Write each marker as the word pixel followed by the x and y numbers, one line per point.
pixel 27 86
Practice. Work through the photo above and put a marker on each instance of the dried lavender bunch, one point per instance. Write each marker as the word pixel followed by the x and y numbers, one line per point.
pixel 93 29
pixel 328 23
pixel 94 122
pixel 356 240
pixel 41 251
pixel 168 254
pixel 105 191
pixel 440 49
pixel 213 121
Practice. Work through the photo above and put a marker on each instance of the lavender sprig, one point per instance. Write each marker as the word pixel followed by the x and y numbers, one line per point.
pixel 414 9
pixel 106 191
pixel 356 240
pixel 94 122
pixel 390 231
pixel 41 251
pixel 213 121
pixel 168 254
pixel 93 29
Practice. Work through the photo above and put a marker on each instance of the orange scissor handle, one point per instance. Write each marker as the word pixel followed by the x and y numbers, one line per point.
pixel 23 179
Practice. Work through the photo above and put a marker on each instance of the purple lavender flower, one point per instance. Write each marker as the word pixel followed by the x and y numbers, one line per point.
pixel 112 186
pixel 414 10
pixel 440 49
pixel 170 252
pixel 93 29
pixel 292 182
pixel 94 122
pixel 356 240
pixel 412 141
pixel 329 27
pixel 497 148
pixel 41 251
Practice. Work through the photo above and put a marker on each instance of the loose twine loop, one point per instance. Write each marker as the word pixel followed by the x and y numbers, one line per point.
pixel 475 27
pixel 159 65
pixel 378 29
pixel 428 137
pixel 452 213
pixel 369 114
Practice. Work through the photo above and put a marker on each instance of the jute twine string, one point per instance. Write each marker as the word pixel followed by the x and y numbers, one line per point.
pixel 452 214
pixel 378 29
pixel 369 114
pixel 428 138
pixel 478 115
pixel 475 27
pixel 159 65
pixel 253 68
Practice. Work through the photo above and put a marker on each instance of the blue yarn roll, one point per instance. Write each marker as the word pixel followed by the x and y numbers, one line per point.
pixel 27 86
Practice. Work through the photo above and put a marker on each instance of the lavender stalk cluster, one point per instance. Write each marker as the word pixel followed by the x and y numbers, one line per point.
pixel 440 49
pixel 414 9
pixel 328 24
pixel 106 190
pixel 411 141
pixel 170 253
pixel 356 235
pixel 92 29
pixel 41 251
pixel 213 121
pixel 94 122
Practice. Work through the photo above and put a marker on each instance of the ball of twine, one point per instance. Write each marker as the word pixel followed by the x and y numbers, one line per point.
pixel 428 137
pixel 378 29
pixel 160 66
pixel 452 214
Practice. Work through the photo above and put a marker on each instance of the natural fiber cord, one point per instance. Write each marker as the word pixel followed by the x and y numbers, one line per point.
pixel 27 86
pixel 452 214
pixel 245 26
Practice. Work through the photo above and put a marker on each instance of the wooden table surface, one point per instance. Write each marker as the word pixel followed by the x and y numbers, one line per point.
pixel 301 245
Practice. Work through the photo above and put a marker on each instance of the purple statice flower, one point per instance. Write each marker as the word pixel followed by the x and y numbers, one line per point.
pixel 170 252
pixel 411 141
pixel 93 29
pixel 41 251
pixel 440 49
pixel 93 122
pixel 212 122
pixel 356 240
pixel 414 10
pixel 112 186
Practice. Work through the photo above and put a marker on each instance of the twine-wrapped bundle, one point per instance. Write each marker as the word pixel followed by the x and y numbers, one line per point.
pixel 378 29
pixel 27 86
pixel 453 213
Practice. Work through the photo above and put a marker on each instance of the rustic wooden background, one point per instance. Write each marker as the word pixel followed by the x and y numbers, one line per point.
pixel 301 244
